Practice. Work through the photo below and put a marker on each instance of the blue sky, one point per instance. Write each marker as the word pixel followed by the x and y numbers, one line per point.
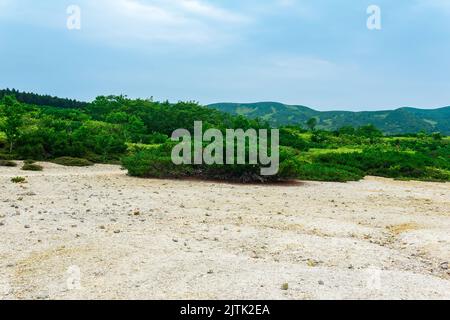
pixel 317 53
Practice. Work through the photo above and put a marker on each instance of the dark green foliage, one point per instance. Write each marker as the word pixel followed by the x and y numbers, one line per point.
pixel 42 100
pixel 311 123
pixel 290 138
pixel 346 130
pixel 319 137
pixel 155 163
pixel 13 113
pixel 163 118
pixel 32 167
pixel 155 138
pixel 7 156
pixel 72 162
pixel 368 131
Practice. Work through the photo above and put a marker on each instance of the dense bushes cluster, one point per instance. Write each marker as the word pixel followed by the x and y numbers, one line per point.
pixel 99 131
pixel 157 163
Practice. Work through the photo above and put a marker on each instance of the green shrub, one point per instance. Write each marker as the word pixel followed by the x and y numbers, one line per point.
pixel 289 138
pixel 3 139
pixel 18 180
pixel 32 167
pixel 157 163
pixel 7 163
pixel 154 165
pixel 321 172
pixel 72 162
pixel 389 164
pixel 29 161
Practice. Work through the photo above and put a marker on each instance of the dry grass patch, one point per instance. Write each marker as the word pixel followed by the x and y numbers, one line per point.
pixel 402 228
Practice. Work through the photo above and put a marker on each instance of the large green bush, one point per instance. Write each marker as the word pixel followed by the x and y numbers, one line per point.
pixel 157 163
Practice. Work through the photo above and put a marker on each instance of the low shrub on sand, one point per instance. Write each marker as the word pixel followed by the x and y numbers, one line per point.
pixel 72 162
pixel 18 180
pixel 32 167
pixel 7 163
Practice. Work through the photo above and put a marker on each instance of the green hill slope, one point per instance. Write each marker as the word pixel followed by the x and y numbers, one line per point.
pixel 400 121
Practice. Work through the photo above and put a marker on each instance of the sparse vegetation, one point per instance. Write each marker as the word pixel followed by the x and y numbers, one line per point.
pixel 18 180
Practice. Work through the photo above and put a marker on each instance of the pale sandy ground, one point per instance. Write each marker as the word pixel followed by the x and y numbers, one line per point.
pixel 154 239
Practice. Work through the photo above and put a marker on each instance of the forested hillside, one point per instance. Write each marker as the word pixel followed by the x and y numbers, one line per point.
pixel 400 121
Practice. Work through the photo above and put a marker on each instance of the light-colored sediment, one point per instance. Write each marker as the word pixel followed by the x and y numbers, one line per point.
pixel 160 239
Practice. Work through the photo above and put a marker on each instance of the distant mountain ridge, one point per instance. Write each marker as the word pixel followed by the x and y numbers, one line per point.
pixel 399 121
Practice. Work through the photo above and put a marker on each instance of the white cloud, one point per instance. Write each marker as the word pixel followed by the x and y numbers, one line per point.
pixel 130 22
pixel 173 21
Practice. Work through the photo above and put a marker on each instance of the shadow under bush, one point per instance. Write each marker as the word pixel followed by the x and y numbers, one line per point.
pixel 72 162
pixel 7 163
